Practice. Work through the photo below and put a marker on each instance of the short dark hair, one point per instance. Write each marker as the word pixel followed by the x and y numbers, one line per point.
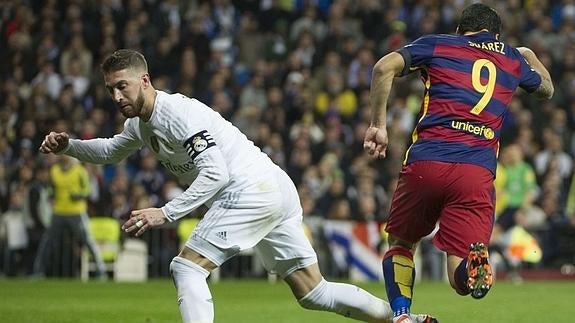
pixel 124 59
pixel 477 17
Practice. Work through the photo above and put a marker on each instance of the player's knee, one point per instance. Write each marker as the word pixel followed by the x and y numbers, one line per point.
pixel 314 304
pixel 309 304
pixel 173 267
pixel 317 299
pixel 181 266
pixel 396 242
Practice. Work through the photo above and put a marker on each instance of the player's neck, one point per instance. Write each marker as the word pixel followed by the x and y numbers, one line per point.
pixel 148 107
pixel 469 33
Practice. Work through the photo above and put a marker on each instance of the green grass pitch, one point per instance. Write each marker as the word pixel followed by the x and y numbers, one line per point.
pixel 244 301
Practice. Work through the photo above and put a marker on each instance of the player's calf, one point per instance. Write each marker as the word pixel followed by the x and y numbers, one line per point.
pixel 346 300
pixel 353 302
pixel 194 297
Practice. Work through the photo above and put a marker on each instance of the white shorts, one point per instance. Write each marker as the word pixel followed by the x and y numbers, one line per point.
pixel 267 216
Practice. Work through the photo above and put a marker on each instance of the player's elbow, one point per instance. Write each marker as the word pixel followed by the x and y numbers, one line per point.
pixel 382 69
pixel 379 68
pixel 224 177
pixel 219 177
pixel 110 156
pixel 550 92
pixel 545 90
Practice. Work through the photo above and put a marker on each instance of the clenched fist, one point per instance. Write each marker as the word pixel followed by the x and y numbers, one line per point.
pixel 54 142
pixel 375 141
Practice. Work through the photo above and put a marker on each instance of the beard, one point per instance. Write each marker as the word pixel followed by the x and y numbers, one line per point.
pixel 139 104
pixel 134 109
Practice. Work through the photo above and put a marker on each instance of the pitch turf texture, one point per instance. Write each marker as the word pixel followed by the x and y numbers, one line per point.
pixel 61 301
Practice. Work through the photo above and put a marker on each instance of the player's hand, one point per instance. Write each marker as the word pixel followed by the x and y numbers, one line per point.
pixel 54 142
pixel 375 141
pixel 142 220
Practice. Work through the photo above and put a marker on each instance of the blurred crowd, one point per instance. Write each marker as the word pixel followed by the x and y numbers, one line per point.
pixel 294 76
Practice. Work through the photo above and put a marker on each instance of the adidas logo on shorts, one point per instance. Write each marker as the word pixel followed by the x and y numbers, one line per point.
pixel 222 235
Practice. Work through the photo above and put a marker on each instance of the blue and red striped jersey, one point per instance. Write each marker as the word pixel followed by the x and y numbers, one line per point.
pixel 469 82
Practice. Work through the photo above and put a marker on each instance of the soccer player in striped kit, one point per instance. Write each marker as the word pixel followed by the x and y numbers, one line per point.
pixel 252 202
pixel 449 168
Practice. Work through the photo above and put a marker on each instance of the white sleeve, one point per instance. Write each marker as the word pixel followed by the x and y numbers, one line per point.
pixel 191 128
pixel 213 176
pixel 104 150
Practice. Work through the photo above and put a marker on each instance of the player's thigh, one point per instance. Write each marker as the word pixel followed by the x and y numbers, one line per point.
pixel 286 248
pixel 467 216
pixel 235 222
pixel 417 201
pixel 304 280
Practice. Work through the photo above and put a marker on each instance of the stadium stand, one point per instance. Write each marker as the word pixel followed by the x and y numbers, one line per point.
pixel 293 75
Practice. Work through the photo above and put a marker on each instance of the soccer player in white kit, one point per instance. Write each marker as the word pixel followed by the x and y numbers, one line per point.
pixel 252 202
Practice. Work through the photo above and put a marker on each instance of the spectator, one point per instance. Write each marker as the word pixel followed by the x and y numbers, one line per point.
pixel 79 53
pixel 37 210
pixel 49 78
pixel 4 189
pixel 335 98
pixel 308 22
pixel 520 188
pixel 149 176
pixel 71 189
pixel 335 192
pixel 14 222
pixel 359 73
pixel 553 149
pixel 250 41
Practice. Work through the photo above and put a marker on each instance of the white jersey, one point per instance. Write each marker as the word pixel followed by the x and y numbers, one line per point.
pixel 193 142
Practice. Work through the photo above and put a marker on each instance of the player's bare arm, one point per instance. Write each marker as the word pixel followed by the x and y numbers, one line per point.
pixel 388 67
pixel 54 142
pixel 546 89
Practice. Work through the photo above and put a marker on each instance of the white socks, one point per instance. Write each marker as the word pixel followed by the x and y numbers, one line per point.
pixel 194 297
pixel 196 306
pixel 403 318
pixel 347 300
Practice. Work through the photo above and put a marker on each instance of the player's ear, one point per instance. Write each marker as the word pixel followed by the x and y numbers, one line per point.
pixel 146 79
